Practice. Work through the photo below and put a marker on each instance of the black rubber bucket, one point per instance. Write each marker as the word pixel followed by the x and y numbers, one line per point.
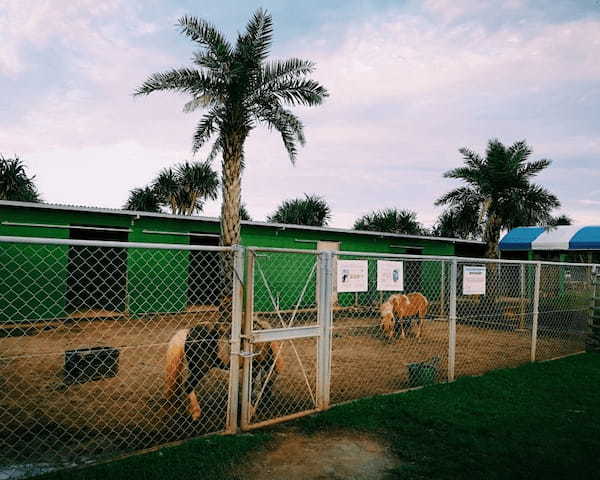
pixel 89 364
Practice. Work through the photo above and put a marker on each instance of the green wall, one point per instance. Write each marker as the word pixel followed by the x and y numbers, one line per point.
pixel 33 278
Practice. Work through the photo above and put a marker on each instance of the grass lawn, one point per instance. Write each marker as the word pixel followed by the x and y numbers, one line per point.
pixel 538 421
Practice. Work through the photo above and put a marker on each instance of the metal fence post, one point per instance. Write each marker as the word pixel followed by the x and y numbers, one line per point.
pixel 442 289
pixel 523 294
pixel 236 327
pixel 452 320
pixel 325 315
pixel 247 344
pixel 536 307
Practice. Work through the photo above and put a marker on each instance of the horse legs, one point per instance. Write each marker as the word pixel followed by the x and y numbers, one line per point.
pixel 421 321
pixel 196 374
pixel 194 407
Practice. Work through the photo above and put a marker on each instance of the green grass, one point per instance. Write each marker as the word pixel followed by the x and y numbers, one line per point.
pixel 205 458
pixel 538 421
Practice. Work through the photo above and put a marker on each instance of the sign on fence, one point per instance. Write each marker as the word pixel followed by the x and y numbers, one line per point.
pixel 352 275
pixel 473 280
pixel 390 276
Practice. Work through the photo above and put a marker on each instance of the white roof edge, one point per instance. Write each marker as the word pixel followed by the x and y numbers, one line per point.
pixel 133 213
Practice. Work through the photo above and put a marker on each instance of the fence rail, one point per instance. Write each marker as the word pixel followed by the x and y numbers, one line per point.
pixel 110 347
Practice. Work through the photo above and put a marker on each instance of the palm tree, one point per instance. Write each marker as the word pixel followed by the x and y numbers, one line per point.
pixel 559 220
pixel 312 210
pixel 390 220
pixel 143 200
pixel 197 182
pixel 239 89
pixel 458 222
pixel 184 188
pixel 244 215
pixel 14 183
pixel 499 190
pixel 166 187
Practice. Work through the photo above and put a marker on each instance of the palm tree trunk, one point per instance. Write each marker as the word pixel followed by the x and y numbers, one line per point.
pixel 491 236
pixel 230 218
pixel 232 190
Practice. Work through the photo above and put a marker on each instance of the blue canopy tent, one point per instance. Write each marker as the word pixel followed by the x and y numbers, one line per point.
pixel 572 242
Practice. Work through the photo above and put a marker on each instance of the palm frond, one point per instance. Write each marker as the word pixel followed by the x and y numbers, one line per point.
pixel 207 35
pixel 283 69
pixel 303 91
pixel 205 129
pixel 460 195
pixel 257 40
pixel 286 123
pixel 184 80
pixel 217 147
pixel 531 169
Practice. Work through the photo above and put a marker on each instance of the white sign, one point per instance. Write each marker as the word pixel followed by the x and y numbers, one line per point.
pixel 352 275
pixel 390 276
pixel 473 280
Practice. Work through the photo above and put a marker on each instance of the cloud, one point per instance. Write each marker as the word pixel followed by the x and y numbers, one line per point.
pixel 408 88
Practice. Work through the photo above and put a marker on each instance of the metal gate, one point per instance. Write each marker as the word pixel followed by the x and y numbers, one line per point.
pixel 287 335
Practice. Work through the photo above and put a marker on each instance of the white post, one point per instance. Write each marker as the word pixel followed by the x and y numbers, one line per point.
pixel 536 307
pixel 452 320
pixel 236 327
pixel 523 295
pixel 442 289
pixel 325 314
pixel 248 320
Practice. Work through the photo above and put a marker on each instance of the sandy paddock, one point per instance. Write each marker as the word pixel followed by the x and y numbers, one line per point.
pixel 41 417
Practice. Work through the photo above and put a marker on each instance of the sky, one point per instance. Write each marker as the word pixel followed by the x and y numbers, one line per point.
pixel 410 83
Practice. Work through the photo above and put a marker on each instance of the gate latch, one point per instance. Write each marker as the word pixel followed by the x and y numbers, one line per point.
pixel 248 354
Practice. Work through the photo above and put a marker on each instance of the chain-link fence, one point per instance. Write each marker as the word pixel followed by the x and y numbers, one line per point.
pixel 379 345
pixel 94 338
pixel 107 347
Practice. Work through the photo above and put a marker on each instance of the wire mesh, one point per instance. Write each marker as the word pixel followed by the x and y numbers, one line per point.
pixel 494 327
pixel 371 357
pixel 565 300
pixel 90 338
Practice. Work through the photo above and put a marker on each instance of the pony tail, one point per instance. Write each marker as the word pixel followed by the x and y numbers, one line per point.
pixel 174 364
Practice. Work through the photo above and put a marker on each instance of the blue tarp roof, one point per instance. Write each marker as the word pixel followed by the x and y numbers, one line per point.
pixel 571 237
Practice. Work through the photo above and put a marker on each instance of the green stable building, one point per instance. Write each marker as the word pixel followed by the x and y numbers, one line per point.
pixel 40 281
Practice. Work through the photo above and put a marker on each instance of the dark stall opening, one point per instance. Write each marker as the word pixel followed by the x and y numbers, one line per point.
pixel 413 270
pixel 205 278
pixel 97 276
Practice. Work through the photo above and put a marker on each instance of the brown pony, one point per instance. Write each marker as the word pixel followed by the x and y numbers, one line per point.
pixel 206 347
pixel 399 307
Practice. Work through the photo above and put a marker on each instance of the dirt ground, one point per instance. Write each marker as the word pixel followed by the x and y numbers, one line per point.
pixel 44 418
pixel 339 455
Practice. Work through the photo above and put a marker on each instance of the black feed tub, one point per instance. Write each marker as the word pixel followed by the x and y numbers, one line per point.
pixel 88 364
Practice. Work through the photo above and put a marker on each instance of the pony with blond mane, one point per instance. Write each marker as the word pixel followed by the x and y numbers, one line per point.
pixel 399 307
pixel 205 347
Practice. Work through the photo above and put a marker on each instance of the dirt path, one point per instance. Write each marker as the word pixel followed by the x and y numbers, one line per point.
pixel 339 455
